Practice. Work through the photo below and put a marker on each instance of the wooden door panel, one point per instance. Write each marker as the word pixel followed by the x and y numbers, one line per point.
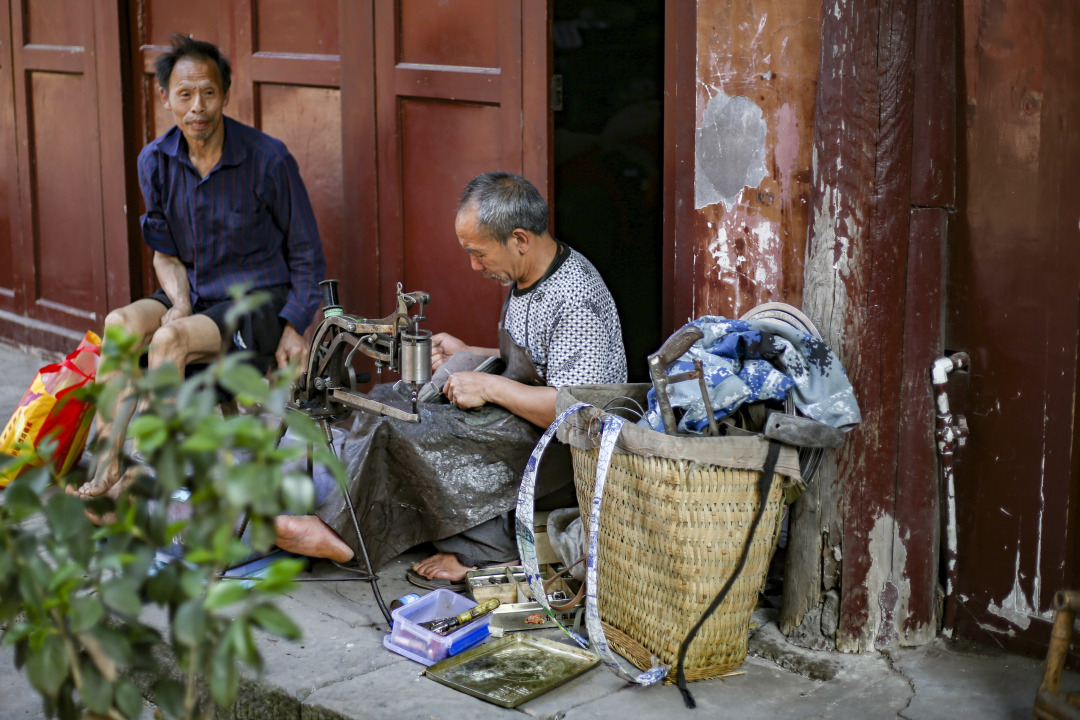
pixel 66 203
pixel 54 22
pixel 449 106
pixel 60 270
pixel 199 18
pixel 308 121
pixel 9 187
pixel 446 33
pixel 286 26
pixel 433 134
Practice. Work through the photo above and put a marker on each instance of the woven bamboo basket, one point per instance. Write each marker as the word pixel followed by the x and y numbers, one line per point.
pixel 672 530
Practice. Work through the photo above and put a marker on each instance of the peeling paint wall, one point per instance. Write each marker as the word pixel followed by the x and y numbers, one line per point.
pixel 756 83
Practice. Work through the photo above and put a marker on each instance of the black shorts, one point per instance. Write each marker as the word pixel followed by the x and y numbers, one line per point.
pixel 258 331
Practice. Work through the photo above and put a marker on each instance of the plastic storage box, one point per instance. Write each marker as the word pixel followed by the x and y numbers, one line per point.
pixel 425 646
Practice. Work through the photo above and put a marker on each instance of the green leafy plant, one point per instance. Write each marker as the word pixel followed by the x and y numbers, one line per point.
pixel 82 602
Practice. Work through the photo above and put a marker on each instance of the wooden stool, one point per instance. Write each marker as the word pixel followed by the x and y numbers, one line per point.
pixel 1049 704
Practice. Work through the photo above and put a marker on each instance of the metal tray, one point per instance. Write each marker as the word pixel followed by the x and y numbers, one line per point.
pixel 513 669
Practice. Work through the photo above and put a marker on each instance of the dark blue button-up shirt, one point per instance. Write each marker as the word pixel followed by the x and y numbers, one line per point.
pixel 248 221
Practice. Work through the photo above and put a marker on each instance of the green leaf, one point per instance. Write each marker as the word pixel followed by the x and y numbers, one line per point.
pixel 273 620
pixel 10 604
pixel 115 644
pixel 245 382
pixel 224 678
pixel 242 485
pixel 150 432
pixel 21 497
pixel 279 576
pixel 169 469
pixel 7 565
pixel 16 632
pixel 96 691
pixel 305 429
pixel 299 493
pixel 65 578
pixel 200 442
pixel 169 697
pixel 192 583
pixel 225 593
pixel 122 596
pixel 162 587
pixel 239 636
pixel 190 623
pixel 67 517
pixel 48 666
pixel 128 698
pixel 33 579
pixel 86 612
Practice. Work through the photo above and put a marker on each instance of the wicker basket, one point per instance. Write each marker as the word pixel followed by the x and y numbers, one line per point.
pixel 676 512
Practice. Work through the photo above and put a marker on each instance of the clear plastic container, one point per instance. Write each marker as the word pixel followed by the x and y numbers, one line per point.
pixel 425 646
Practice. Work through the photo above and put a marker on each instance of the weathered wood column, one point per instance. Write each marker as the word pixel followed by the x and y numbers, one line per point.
pixel 863 555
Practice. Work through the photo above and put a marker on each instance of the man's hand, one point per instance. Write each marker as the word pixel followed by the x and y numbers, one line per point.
pixel 535 403
pixel 443 345
pixel 469 389
pixel 291 347
pixel 177 311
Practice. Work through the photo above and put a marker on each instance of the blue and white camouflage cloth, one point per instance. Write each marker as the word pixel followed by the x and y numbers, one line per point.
pixel 755 360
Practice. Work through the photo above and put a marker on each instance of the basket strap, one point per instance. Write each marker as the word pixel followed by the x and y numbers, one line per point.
pixel 765 481
pixel 612 426
pixel 523 525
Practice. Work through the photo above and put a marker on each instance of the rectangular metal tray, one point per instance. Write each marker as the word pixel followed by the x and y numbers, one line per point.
pixel 513 669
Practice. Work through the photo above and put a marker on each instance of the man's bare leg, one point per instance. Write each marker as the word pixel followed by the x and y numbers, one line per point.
pixel 442 566
pixel 308 535
pixel 142 318
pixel 192 338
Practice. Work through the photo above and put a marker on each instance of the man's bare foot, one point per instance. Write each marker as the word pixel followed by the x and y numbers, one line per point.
pixel 113 492
pixel 309 536
pixel 104 482
pixel 442 566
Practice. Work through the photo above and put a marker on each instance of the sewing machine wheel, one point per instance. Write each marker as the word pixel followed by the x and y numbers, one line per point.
pixel 330 357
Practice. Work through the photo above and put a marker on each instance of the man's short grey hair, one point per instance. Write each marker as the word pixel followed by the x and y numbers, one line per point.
pixel 505 202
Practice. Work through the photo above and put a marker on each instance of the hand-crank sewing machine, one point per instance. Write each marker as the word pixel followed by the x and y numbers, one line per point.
pixel 326 390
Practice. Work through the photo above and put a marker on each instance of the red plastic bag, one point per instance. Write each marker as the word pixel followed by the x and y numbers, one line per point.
pixel 49 410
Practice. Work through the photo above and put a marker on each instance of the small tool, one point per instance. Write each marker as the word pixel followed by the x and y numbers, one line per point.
pixel 673 349
pixel 446 625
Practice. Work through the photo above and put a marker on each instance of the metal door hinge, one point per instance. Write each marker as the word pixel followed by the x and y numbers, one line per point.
pixel 556 92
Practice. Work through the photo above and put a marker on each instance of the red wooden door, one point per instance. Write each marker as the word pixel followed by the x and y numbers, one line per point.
pixel 451 78
pixel 9 188
pixel 64 215
pixel 1014 272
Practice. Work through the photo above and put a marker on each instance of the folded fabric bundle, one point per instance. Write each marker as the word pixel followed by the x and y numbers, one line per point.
pixel 746 361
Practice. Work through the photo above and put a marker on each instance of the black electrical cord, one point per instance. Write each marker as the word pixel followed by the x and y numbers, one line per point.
pixel 764 488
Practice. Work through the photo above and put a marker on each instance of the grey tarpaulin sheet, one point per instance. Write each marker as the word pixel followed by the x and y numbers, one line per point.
pixel 416 482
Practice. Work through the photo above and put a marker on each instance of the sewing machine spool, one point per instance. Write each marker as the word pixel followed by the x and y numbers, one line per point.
pixel 416 357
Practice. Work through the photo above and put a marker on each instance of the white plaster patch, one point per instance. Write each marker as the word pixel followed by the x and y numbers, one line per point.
pixel 729 151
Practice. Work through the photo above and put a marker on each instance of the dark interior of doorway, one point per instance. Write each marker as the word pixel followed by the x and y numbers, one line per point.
pixel 608 155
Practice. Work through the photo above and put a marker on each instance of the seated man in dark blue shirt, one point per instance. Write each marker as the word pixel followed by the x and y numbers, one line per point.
pixel 225 205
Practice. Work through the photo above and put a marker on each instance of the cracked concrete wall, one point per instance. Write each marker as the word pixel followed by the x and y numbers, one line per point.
pixel 756 84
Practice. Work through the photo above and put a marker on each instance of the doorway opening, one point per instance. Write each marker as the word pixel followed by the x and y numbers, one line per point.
pixel 608 145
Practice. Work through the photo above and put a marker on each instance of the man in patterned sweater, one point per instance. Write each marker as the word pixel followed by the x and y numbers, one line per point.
pixel 559 327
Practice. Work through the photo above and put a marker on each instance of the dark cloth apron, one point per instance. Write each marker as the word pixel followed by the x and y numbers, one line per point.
pixel 419 482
